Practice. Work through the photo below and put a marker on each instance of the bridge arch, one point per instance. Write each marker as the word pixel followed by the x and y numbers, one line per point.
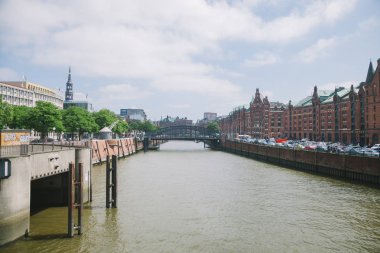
pixel 183 133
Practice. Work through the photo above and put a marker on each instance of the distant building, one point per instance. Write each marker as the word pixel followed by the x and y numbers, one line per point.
pixel 27 93
pixel 347 115
pixel 69 97
pixel 133 114
pixel 210 116
pixel 207 118
pixel 83 104
pixel 171 121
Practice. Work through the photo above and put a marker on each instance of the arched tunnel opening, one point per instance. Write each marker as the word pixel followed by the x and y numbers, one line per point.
pixel 51 191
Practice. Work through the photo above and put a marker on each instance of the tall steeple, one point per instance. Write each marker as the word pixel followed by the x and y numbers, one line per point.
pixel 370 73
pixel 69 88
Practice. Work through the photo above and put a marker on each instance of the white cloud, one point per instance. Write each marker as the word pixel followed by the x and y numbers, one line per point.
pixel 180 106
pixel 121 92
pixel 261 59
pixel 369 24
pixel 317 50
pixel 158 42
pixel 267 93
pixel 7 74
pixel 203 85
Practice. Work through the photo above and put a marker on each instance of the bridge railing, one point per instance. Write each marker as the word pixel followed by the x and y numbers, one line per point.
pixel 13 151
pixel 21 150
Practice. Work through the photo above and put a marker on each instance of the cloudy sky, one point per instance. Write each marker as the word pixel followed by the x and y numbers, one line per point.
pixel 183 58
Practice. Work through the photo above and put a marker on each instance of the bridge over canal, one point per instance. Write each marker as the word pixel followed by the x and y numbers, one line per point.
pixel 187 133
pixel 191 133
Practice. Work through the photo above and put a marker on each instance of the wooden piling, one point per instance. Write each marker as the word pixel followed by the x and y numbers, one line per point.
pixel 70 206
pixel 75 200
pixel 108 172
pixel 111 182
pixel 114 181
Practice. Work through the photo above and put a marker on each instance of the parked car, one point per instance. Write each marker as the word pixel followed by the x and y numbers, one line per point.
pixel 371 153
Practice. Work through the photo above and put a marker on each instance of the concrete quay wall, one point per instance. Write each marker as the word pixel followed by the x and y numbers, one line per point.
pixel 357 168
pixel 41 170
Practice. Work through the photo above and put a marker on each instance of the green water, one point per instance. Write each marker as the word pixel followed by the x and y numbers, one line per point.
pixel 184 198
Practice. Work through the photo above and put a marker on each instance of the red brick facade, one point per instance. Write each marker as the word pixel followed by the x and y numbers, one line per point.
pixel 341 115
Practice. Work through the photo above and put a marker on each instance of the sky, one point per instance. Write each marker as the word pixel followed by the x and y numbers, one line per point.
pixel 184 58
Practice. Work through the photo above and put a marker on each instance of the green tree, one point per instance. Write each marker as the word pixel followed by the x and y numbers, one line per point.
pixel 77 119
pixel 21 117
pixel 104 118
pixel 214 127
pixel 148 126
pixel 121 127
pixel 6 113
pixel 45 117
pixel 135 125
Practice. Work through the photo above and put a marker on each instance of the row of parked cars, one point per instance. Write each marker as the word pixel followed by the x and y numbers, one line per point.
pixel 306 144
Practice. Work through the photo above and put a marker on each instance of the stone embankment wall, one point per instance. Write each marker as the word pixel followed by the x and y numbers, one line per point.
pixel 357 168
pixel 15 191
pixel 119 147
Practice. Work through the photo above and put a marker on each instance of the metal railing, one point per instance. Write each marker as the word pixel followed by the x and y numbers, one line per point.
pixel 14 151
pixel 22 150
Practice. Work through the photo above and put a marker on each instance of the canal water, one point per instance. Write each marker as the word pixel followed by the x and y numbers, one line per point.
pixel 184 198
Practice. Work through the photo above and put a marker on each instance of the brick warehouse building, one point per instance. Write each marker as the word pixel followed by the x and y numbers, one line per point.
pixel 339 115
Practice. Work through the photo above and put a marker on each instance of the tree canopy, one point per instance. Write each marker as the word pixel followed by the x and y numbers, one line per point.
pixel 146 126
pixel 121 127
pixel 45 118
pixel 21 117
pixel 6 113
pixel 77 119
pixel 213 126
pixel 104 118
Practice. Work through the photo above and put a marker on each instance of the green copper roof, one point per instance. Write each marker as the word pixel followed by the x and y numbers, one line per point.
pixel 304 102
pixel 341 92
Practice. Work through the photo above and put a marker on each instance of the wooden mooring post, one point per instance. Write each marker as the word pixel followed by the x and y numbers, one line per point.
pixel 75 202
pixel 111 182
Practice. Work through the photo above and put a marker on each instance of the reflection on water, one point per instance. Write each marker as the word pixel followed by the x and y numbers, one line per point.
pixel 184 198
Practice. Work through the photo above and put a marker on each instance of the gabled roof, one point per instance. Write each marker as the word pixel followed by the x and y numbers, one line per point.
pixel 324 94
pixel 276 104
pixel 340 92
pixel 304 102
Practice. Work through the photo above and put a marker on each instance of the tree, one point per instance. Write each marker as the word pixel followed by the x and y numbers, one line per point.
pixel 145 126
pixel 45 117
pixel 135 125
pixel 21 117
pixel 77 119
pixel 6 113
pixel 104 118
pixel 121 127
pixel 214 127
pixel 148 126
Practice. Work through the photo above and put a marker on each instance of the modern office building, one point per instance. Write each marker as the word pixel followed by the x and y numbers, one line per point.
pixel 27 93
pixel 133 114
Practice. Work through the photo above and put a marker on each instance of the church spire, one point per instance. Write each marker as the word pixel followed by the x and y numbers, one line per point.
pixel 370 73
pixel 69 88
pixel 69 78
